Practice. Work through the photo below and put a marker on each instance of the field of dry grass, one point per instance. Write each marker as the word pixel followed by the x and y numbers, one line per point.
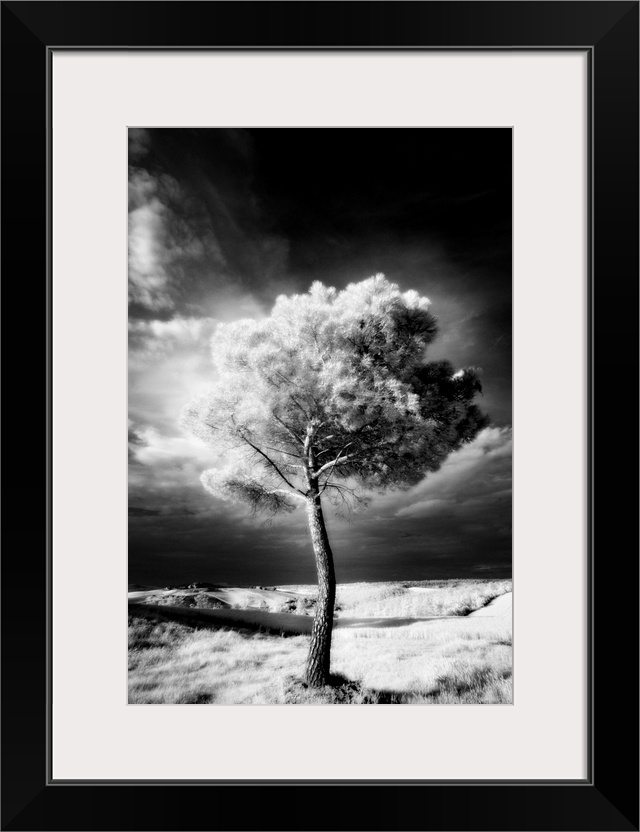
pixel 411 599
pixel 395 643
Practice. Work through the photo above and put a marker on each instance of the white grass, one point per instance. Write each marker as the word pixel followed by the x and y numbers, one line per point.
pixel 389 654
pixel 411 599
pixel 422 665
pixel 180 665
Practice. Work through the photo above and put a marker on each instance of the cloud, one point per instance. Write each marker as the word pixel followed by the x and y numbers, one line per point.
pixel 158 450
pixel 421 508
pixel 134 439
pixel 171 245
pixel 196 230
pixel 170 361
pixel 148 277
pixel 154 339
pixel 136 511
pixel 163 475
pixel 139 141
pixel 473 474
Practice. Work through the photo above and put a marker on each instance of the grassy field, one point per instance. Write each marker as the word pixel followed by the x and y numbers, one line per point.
pixel 412 599
pixel 395 643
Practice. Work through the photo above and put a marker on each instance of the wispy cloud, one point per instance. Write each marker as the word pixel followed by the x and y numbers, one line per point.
pixel 197 231
pixel 478 470
pixel 171 244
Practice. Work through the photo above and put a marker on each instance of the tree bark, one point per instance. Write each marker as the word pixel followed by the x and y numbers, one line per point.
pixel 317 673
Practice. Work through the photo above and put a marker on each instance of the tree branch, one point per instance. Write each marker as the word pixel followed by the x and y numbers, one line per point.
pixel 334 462
pixel 288 429
pixel 338 487
pixel 297 403
pixel 272 463
pixel 297 493
pixel 286 453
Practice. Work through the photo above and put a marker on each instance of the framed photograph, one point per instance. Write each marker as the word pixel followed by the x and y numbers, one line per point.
pixel 317 258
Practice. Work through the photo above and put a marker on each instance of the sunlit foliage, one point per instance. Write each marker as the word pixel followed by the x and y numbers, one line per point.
pixel 331 391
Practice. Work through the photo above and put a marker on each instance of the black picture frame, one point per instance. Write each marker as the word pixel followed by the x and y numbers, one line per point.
pixel 608 798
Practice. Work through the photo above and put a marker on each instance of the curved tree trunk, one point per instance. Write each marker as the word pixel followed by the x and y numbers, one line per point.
pixel 317 673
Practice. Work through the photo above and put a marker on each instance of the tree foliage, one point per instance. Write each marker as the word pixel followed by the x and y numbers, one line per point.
pixel 331 393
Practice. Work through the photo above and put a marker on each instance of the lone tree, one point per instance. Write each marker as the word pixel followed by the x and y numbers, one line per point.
pixel 331 397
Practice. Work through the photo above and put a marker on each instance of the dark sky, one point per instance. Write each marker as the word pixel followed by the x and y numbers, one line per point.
pixel 221 222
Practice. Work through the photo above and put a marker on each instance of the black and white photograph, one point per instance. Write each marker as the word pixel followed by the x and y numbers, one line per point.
pixel 320 416
pixel 357 249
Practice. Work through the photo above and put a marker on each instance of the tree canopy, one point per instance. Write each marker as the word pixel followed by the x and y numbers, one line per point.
pixel 331 393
